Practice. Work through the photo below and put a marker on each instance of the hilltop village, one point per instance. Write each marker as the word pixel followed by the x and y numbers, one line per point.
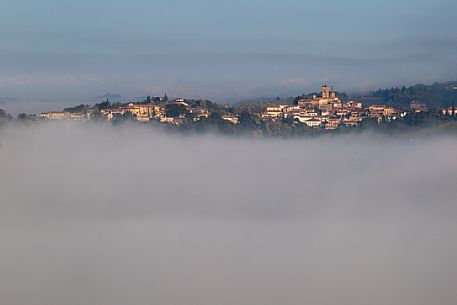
pixel 317 112
pixel 326 111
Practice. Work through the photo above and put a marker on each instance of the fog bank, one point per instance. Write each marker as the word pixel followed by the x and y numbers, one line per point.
pixel 96 214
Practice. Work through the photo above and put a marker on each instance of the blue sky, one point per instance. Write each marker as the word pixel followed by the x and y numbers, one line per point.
pixel 225 50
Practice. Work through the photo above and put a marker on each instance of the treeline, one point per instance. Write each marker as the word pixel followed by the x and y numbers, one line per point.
pixel 434 96
pixel 251 125
pixel 4 117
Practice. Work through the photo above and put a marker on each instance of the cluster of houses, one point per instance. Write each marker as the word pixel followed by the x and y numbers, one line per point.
pixel 325 111
pixel 143 112
pixel 329 112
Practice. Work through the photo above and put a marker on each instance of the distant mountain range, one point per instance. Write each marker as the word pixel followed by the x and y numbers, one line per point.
pixel 111 96
pixel 7 99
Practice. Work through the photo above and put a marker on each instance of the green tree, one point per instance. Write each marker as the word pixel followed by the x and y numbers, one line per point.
pixel 175 110
pixel 104 105
pixel 81 108
pixel 26 117
pixel 246 120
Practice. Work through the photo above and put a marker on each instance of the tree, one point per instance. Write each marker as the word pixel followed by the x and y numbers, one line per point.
pixel 121 118
pixel 26 117
pixel 175 110
pixel 81 108
pixel 104 105
pixel 246 120
pixel 4 117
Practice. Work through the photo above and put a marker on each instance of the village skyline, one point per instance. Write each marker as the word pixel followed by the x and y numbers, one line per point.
pixel 329 110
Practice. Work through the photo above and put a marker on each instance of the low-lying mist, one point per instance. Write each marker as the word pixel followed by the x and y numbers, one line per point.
pixel 103 215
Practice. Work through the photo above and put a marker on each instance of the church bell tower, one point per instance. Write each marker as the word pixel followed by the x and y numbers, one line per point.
pixel 325 91
pixel 332 93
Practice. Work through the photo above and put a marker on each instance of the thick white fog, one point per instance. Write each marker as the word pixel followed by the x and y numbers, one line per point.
pixel 103 215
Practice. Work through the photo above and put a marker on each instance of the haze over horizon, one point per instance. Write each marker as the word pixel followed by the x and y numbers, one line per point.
pixel 323 201
pixel 224 51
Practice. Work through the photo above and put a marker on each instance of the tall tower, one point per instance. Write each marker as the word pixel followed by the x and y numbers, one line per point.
pixel 332 93
pixel 325 91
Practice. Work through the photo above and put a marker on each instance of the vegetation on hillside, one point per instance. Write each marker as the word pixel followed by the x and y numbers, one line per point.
pixel 434 96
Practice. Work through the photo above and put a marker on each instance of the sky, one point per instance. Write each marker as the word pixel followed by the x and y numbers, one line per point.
pixel 96 214
pixel 64 50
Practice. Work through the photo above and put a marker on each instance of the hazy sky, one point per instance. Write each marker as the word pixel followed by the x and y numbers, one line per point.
pixel 225 50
